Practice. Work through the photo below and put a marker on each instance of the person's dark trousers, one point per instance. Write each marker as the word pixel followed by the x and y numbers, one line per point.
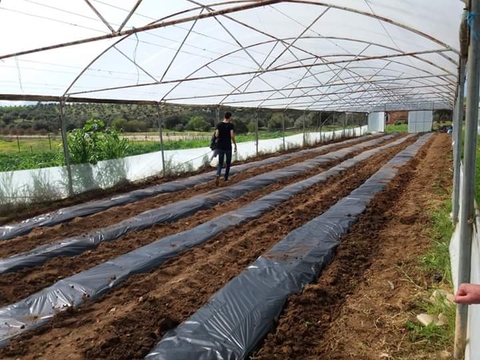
pixel 221 154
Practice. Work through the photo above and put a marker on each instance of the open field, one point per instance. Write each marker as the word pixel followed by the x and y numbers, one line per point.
pixel 115 312
pixel 181 140
pixel 32 152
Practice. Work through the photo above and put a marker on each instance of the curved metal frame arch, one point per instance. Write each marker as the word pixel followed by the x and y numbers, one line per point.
pixel 223 56
pixel 113 45
pixel 365 102
pixel 266 34
pixel 151 23
pixel 290 38
pixel 341 92
pixel 292 1
pixel 409 79
pixel 347 39
pixel 386 69
pixel 399 52
pixel 240 74
pixel 386 78
pixel 381 18
pixel 416 97
pixel 366 82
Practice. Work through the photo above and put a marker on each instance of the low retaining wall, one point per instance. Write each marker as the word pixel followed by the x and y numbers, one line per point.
pixel 52 183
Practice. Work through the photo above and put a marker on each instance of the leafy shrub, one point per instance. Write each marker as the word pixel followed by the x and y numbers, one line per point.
pixel 94 143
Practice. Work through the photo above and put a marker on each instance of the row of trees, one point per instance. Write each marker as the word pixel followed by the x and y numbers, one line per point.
pixel 136 118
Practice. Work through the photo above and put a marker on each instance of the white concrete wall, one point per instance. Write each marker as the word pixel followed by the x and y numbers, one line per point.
pixel 50 183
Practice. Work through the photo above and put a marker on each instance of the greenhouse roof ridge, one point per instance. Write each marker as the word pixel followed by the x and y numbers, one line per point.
pixel 331 55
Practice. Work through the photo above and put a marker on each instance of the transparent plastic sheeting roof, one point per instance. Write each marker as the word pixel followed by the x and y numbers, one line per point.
pixel 350 55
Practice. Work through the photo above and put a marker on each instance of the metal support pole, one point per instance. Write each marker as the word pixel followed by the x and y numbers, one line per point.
pixel 304 134
pixel 256 133
pixel 160 127
pixel 321 125
pixel 433 111
pixel 344 124
pixel 455 122
pixel 457 142
pixel 414 120
pixel 66 153
pixel 467 218
pixel 283 132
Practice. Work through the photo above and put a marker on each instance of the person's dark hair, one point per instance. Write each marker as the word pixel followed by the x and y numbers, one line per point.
pixel 228 115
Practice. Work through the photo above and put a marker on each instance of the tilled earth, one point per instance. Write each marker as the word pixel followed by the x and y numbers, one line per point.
pixel 360 305
pixel 7 216
pixel 45 235
pixel 128 321
pixel 31 280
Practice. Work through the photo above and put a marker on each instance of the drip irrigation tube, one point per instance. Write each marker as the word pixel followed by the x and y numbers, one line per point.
pixel 37 309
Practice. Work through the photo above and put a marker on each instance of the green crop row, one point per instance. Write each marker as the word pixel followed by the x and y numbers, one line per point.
pixel 22 161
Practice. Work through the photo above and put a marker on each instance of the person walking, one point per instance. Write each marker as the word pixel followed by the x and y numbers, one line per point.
pixel 225 132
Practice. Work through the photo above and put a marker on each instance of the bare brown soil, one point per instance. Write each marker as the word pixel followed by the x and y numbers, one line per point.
pixel 356 310
pixel 360 306
pixel 77 226
pixel 128 321
pixel 31 280
pixel 30 210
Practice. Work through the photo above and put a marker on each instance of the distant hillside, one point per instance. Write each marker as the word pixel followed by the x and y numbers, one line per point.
pixel 43 118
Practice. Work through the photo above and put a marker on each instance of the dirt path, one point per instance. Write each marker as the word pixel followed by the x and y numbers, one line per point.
pixel 113 215
pixel 127 322
pixel 353 312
